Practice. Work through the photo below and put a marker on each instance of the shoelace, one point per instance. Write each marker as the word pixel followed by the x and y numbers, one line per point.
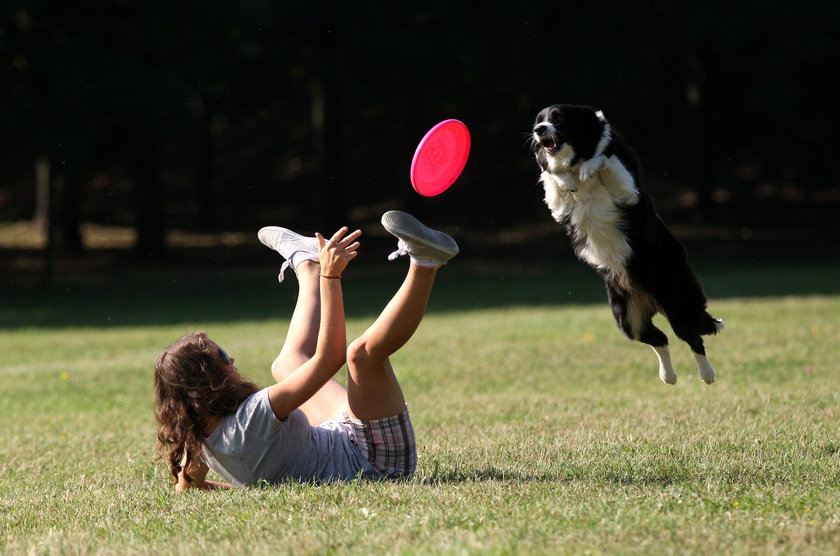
pixel 286 264
pixel 290 262
pixel 402 249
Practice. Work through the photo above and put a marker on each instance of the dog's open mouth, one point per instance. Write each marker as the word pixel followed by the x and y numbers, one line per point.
pixel 549 144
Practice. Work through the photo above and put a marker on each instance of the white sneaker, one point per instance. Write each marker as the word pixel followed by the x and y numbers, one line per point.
pixel 423 245
pixel 295 248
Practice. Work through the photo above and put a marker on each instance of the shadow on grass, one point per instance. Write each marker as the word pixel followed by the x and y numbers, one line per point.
pixel 570 474
pixel 494 474
pixel 222 291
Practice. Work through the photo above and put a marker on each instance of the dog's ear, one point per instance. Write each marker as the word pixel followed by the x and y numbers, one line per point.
pixel 598 158
pixel 583 130
pixel 606 134
pixel 544 114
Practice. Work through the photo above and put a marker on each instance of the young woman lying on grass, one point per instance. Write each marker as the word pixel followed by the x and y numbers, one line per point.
pixel 307 426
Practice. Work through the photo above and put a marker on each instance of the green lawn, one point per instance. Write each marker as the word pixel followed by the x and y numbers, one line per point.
pixel 541 430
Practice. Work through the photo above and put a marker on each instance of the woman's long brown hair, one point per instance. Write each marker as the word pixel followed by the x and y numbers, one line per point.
pixel 192 385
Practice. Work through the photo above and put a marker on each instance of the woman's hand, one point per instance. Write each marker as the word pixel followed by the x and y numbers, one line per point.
pixel 182 486
pixel 337 252
pixel 198 473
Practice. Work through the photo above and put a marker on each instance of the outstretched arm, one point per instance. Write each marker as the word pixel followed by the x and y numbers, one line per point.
pixel 330 352
pixel 198 473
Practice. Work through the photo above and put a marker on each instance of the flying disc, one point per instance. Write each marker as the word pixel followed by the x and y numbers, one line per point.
pixel 440 158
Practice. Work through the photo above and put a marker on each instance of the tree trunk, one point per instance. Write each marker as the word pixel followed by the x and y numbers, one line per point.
pixel 208 213
pixel 151 225
pixel 328 199
pixel 41 215
pixel 51 229
pixel 328 193
pixel 70 219
pixel 57 213
pixel 700 99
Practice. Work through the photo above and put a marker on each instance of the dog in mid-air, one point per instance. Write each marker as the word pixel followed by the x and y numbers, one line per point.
pixel 591 181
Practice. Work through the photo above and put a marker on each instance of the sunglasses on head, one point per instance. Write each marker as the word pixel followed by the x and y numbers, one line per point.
pixel 224 357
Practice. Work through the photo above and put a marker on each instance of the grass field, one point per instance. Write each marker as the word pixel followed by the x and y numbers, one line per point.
pixel 541 430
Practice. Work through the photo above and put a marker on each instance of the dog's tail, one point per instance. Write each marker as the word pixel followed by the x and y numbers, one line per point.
pixel 711 325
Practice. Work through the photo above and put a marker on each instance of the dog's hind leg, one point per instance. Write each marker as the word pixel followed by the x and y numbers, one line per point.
pixel 690 334
pixel 695 342
pixel 685 308
pixel 707 372
pixel 704 368
pixel 634 316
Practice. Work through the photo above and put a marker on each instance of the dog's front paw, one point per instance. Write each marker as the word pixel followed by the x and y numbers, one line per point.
pixel 589 167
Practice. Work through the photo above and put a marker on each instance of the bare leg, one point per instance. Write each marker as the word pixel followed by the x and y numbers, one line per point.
pixel 300 343
pixel 373 390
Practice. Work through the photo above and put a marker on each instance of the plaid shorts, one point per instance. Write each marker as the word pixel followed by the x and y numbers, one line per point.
pixel 387 443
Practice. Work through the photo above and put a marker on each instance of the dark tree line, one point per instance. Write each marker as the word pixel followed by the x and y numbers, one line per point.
pixel 225 115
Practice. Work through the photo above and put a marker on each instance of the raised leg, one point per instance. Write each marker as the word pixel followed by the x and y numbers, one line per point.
pixel 634 316
pixel 299 346
pixel 688 326
pixel 684 303
pixel 373 389
pixel 707 372
pixel 704 368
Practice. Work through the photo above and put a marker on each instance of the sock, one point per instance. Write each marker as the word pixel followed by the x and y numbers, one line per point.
pixel 301 256
pixel 425 261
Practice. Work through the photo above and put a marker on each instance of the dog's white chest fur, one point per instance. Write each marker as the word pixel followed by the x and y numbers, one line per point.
pixel 592 207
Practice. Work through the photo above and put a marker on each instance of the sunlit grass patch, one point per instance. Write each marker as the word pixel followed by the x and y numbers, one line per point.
pixel 541 430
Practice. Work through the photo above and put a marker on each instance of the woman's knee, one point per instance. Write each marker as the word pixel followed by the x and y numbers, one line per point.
pixel 361 353
pixel 357 352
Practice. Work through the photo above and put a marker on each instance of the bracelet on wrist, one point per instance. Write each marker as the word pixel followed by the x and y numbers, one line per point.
pixel 331 276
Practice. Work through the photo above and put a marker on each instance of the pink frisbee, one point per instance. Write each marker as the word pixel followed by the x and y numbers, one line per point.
pixel 440 158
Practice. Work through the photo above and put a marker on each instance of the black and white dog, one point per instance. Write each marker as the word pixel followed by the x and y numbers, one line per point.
pixel 591 181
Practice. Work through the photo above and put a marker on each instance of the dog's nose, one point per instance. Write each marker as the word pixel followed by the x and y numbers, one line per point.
pixel 541 129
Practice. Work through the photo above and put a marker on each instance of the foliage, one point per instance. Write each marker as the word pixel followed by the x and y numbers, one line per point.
pixel 253 110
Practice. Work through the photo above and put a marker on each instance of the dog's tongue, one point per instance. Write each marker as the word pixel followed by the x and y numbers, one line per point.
pixel 549 144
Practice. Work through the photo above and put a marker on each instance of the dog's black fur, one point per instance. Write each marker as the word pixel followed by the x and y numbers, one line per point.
pixel 591 179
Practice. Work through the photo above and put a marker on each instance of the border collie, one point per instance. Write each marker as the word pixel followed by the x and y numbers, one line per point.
pixel 591 181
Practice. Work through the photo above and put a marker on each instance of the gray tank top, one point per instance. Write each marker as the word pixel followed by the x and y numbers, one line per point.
pixel 253 445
